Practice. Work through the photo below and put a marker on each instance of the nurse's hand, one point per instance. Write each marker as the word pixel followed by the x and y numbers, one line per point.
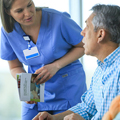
pixel 43 116
pixel 45 73
pixel 31 102
pixel 73 116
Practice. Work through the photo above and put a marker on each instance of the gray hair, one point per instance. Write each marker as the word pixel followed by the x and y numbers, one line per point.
pixel 107 17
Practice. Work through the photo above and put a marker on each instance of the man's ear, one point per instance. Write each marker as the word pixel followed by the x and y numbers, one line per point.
pixel 101 35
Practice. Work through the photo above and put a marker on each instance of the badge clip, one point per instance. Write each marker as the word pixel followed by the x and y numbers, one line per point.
pixel 27 38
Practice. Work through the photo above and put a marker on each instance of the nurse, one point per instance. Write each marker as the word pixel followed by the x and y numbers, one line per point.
pixel 49 43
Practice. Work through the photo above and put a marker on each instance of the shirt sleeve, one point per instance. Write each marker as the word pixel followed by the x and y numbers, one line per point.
pixel 70 30
pixel 6 51
pixel 86 108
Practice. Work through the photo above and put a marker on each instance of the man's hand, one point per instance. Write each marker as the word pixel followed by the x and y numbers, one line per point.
pixel 73 116
pixel 60 116
pixel 44 116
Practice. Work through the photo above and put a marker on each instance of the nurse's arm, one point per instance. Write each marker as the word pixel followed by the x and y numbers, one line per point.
pixel 75 53
pixel 16 67
pixel 47 71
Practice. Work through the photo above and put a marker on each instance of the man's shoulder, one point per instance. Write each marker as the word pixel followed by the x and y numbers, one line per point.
pixel 117 63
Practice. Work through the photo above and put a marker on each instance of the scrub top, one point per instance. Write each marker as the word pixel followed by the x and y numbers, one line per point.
pixel 57 35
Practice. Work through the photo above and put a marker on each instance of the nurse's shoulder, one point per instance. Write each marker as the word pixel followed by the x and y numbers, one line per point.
pixel 55 12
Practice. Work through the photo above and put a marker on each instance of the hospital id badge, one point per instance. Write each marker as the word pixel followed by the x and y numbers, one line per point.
pixel 33 52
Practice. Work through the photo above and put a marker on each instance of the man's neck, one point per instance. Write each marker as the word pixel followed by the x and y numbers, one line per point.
pixel 106 50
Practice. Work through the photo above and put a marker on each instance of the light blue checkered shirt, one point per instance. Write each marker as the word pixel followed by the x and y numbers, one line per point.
pixel 105 86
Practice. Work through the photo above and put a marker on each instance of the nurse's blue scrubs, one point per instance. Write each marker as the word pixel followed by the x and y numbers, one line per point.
pixel 57 35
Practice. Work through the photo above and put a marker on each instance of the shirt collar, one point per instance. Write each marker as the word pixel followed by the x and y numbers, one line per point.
pixel 110 58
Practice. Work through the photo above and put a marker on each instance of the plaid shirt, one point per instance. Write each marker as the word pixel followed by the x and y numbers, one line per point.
pixel 105 86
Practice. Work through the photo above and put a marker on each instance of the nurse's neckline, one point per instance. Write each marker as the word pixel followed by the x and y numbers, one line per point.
pixel 34 32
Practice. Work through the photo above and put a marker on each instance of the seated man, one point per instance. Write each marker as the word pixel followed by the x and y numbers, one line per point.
pixel 101 39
